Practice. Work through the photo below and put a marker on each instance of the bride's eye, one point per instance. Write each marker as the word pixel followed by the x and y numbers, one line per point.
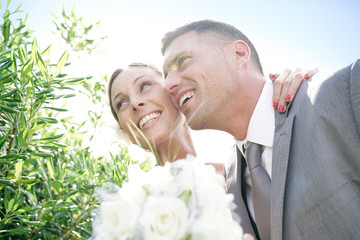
pixel 144 85
pixel 120 104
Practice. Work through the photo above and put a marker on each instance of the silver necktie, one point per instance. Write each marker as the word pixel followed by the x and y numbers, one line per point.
pixel 261 184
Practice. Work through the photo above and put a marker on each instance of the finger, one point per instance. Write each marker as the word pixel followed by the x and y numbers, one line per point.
pixel 298 78
pixel 284 91
pixel 278 84
pixel 273 76
pixel 311 73
pixel 297 81
pixel 248 236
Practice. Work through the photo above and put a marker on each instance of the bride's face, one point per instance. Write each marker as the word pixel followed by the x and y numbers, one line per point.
pixel 137 96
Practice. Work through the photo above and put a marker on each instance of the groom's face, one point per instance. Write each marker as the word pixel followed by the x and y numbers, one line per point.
pixel 197 77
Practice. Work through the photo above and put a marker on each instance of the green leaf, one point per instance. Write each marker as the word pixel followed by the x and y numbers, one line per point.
pixel 75 81
pixel 70 194
pixel 8 94
pixel 34 50
pixel 11 204
pixel 26 179
pixel 8 109
pixel 18 169
pixel 46 185
pixel 17 231
pixel 42 154
pixel 58 145
pixel 61 62
pixel 5 79
pixel 41 64
pixel 6 59
pixel 24 157
pixel 23 120
pixel 6 29
pixel 13 59
pixel 3 140
pixel 7 196
pixel 6 65
pixel 62 173
pixel 48 120
pixel 185 196
pixel 45 91
pixel 5 52
pixel 9 158
pixel 22 136
pixel 22 54
pixel 58 186
pixel 51 138
pixel 69 95
pixel 46 52
pixel 26 69
pixel 4 181
pixel 33 223
pixel 50 169
pixel 57 109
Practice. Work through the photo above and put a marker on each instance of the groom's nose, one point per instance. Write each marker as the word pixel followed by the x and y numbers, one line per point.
pixel 172 82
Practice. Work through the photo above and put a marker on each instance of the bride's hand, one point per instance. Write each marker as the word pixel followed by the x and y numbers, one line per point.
pixel 248 236
pixel 287 84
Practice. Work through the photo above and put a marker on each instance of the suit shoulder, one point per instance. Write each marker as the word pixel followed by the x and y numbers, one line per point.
pixel 355 92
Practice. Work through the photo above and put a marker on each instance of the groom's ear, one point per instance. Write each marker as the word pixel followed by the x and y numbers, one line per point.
pixel 242 52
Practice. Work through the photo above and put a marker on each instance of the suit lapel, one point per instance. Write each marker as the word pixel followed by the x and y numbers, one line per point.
pixel 281 151
pixel 234 186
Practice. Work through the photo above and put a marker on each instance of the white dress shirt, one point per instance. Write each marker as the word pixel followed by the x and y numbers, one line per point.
pixel 261 130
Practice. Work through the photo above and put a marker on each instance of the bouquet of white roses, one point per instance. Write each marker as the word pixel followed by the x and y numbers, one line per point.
pixel 182 200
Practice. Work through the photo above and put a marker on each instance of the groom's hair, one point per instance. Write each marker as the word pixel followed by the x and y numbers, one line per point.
pixel 214 30
pixel 117 73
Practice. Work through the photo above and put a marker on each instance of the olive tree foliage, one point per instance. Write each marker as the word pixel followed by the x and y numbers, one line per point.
pixel 76 33
pixel 47 177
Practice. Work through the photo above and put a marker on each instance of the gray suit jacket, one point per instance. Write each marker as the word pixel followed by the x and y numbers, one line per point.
pixel 316 162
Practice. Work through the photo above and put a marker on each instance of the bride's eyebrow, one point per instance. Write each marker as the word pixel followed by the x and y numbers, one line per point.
pixel 134 82
pixel 117 95
pixel 138 78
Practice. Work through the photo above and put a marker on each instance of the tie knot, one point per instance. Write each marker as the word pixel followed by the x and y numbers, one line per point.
pixel 253 155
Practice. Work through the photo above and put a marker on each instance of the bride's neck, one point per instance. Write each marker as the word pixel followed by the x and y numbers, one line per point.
pixel 177 146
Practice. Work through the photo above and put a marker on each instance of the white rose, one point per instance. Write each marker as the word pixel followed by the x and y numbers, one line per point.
pixel 164 218
pixel 159 180
pixel 215 223
pixel 206 185
pixel 119 219
pixel 155 182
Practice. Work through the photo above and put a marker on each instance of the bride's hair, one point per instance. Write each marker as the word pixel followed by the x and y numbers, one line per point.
pixel 117 73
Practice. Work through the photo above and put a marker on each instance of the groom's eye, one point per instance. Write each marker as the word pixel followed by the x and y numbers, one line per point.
pixel 182 60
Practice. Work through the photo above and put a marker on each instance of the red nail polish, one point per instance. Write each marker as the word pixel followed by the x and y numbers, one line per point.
pixel 288 97
pixel 273 75
pixel 306 75
pixel 281 108
pixel 275 104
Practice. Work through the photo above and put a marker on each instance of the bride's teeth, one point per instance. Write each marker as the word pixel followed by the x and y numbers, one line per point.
pixel 186 95
pixel 148 119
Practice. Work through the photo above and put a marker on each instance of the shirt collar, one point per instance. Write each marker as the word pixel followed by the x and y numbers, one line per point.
pixel 262 123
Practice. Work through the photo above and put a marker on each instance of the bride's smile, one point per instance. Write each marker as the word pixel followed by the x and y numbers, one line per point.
pixel 148 120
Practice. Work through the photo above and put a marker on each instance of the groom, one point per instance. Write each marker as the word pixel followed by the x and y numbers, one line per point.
pixel 310 156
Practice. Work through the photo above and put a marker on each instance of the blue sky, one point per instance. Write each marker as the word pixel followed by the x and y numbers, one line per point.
pixel 322 33
pixel 306 34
